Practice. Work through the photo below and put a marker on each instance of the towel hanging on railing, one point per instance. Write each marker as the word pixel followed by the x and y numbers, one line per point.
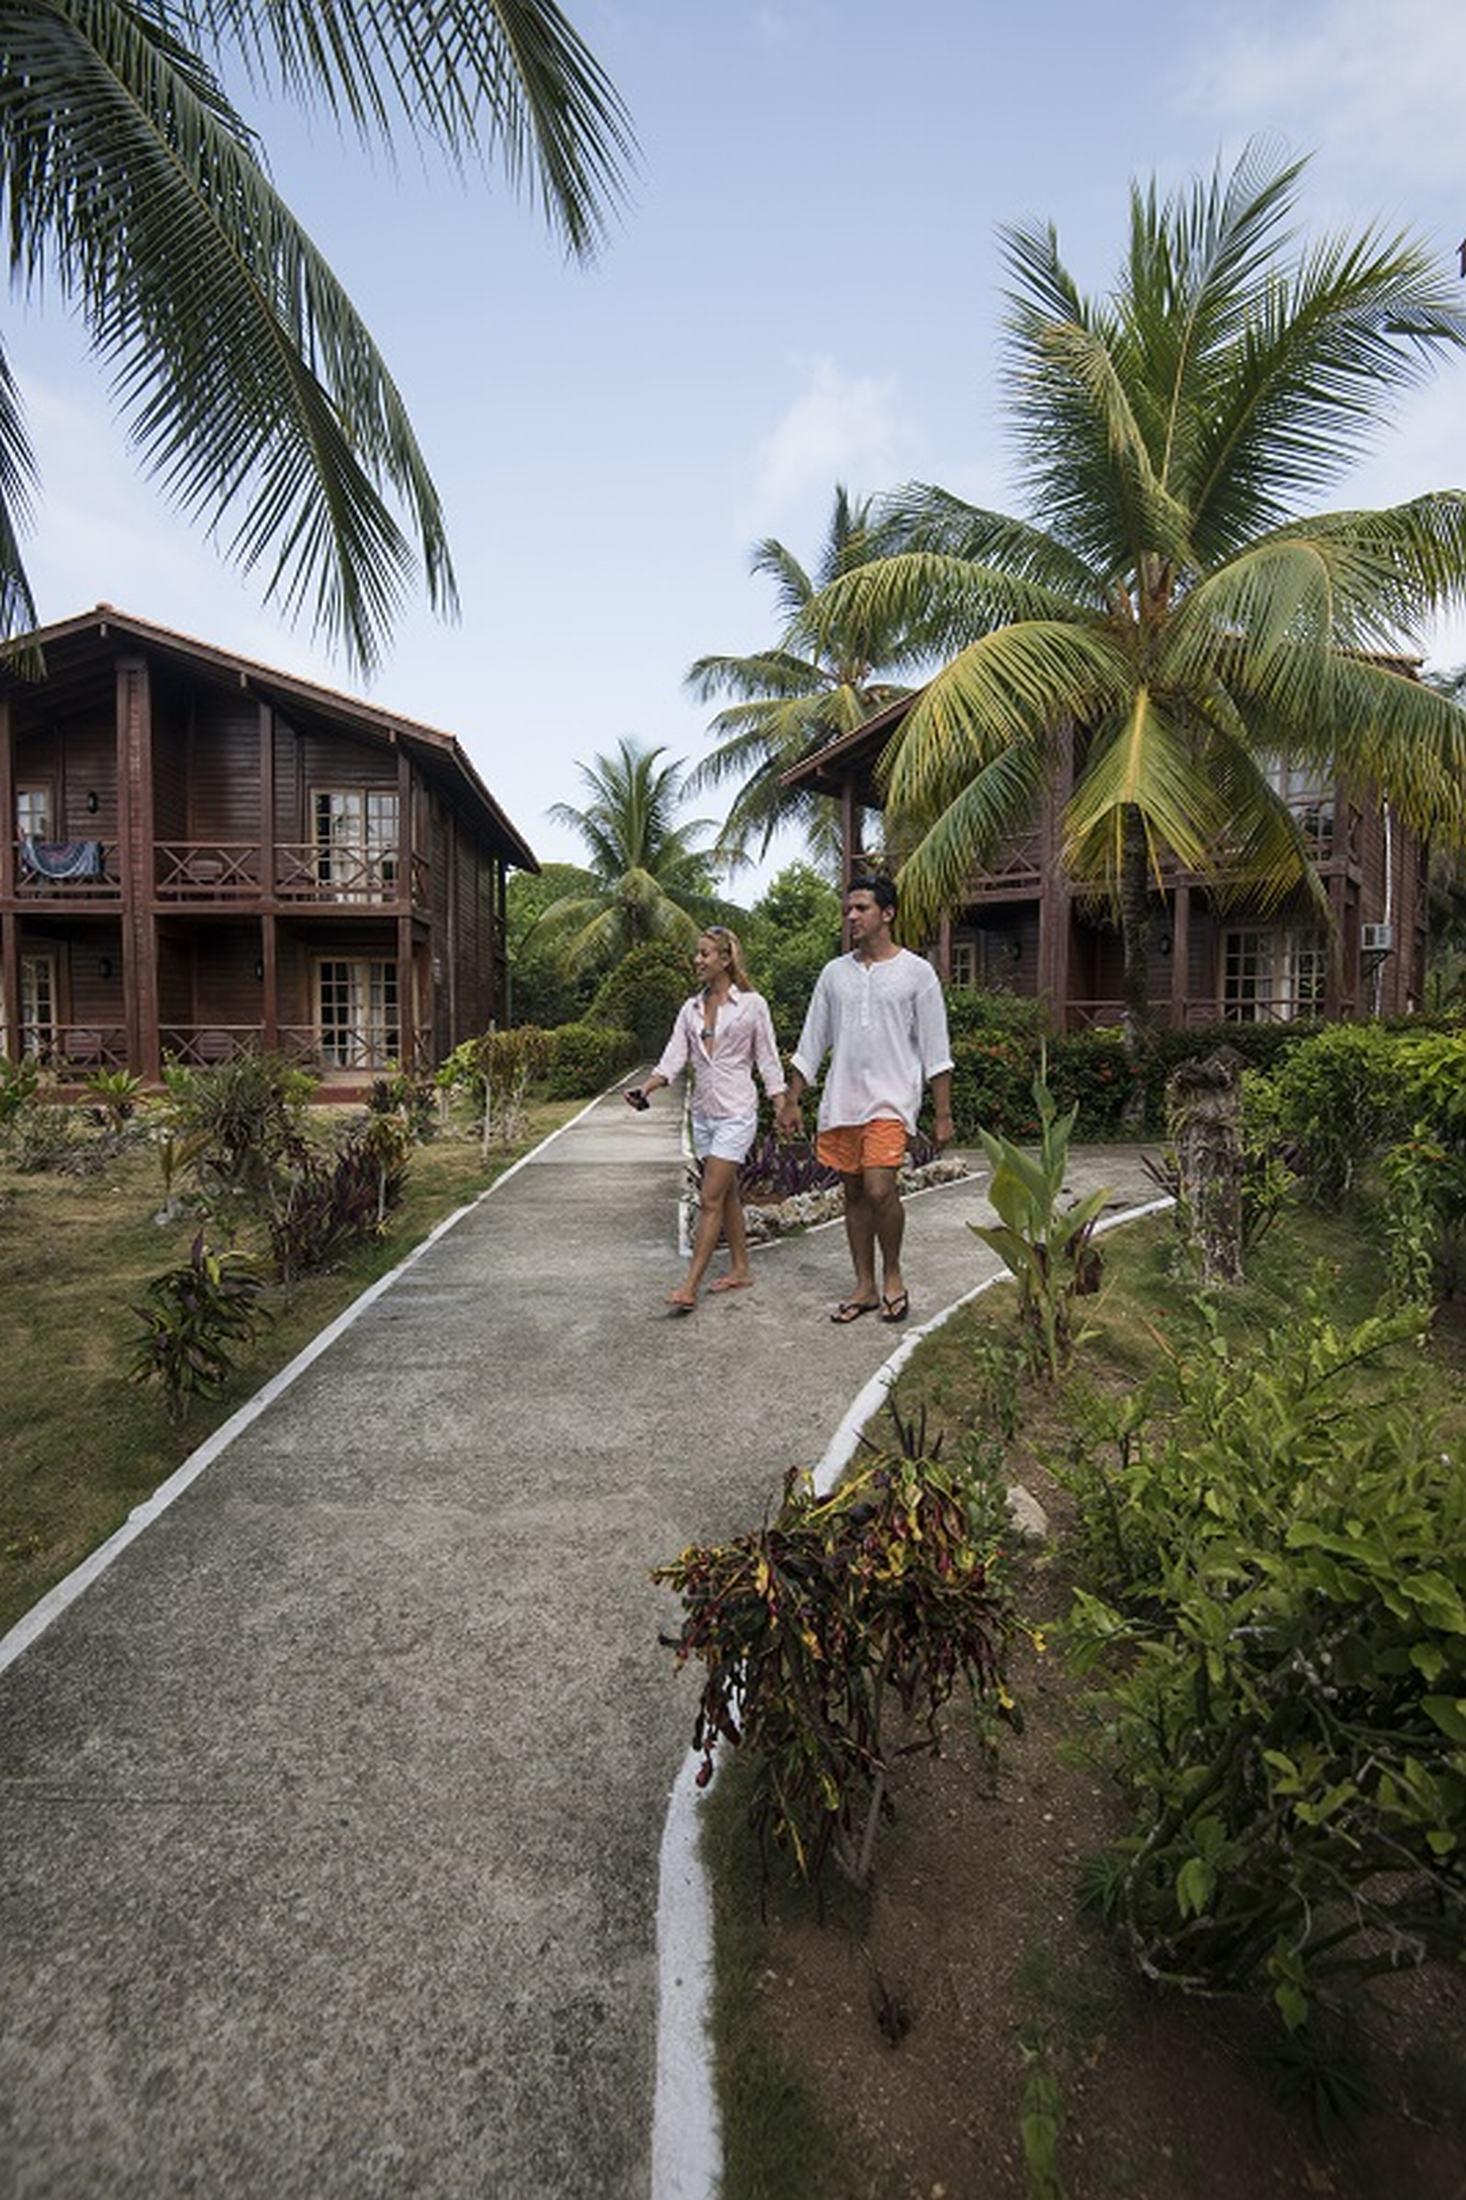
pixel 62 859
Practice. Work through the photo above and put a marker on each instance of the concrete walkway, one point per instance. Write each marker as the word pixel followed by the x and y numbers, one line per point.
pixel 329 1814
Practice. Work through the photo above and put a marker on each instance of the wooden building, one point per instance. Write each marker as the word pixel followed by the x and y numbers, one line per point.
pixel 1023 929
pixel 206 854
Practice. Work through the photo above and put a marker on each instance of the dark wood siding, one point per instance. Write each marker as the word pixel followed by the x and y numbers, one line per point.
pixel 224 769
pixel 225 988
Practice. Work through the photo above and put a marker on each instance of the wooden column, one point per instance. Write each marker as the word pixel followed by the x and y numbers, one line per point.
pixel 270 980
pixel 944 951
pixel 849 817
pixel 1055 908
pixel 452 939
pixel 1180 954
pixel 135 837
pixel 1336 984
pixel 267 802
pixel 7 802
pixel 10 981
pixel 406 1005
pixel 9 918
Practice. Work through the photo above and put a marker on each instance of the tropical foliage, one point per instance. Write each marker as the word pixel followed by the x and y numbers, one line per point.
pixel 650 881
pixel 792 698
pixel 1171 602
pixel 249 383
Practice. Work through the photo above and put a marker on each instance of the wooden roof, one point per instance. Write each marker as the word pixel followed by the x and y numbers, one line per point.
pixel 852 756
pixel 79 653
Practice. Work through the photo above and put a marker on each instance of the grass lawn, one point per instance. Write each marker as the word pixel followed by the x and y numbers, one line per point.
pixel 1036 2064
pixel 79 1445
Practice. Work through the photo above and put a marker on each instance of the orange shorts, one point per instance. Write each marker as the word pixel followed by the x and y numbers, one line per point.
pixel 855 1146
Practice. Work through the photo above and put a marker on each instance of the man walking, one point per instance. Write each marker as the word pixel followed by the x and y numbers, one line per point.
pixel 879 1014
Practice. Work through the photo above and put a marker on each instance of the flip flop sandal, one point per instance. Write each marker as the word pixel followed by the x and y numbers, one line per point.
pixel 850 1310
pixel 897 1309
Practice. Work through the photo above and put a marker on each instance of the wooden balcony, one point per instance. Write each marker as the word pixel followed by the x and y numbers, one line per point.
pixel 1189 1015
pixel 100 881
pixel 74 1049
pixel 340 1049
pixel 201 873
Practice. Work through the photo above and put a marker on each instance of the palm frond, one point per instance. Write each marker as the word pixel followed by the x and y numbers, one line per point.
pixel 993 803
pixel 508 80
pixel 1020 687
pixel 17 487
pixel 1144 761
pixel 246 377
pixel 924 517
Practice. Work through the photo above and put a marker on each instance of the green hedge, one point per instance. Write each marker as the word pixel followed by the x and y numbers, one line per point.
pixel 994 1068
pixel 587 1057
pixel 643 994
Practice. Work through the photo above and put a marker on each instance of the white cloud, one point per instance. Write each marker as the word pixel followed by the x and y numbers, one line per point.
pixel 840 428
pixel 1381 77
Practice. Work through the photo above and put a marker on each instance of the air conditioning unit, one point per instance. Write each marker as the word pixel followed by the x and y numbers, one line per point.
pixel 1377 939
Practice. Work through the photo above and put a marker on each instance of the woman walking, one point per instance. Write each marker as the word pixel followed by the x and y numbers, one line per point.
pixel 723 1032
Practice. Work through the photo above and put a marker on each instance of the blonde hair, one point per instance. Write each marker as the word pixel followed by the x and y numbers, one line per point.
pixel 732 953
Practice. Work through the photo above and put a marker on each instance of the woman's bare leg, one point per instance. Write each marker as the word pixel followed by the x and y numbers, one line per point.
pixel 718 1178
pixel 739 1275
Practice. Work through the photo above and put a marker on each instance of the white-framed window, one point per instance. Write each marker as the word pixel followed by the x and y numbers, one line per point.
pixel 37 1004
pixel 1309 794
pixel 356 1014
pixel 35 811
pixel 965 961
pixel 355 830
pixel 1273 974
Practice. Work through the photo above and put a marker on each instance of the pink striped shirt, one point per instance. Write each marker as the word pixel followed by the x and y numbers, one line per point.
pixel 722 1074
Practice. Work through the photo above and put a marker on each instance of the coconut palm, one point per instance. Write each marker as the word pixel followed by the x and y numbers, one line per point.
pixel 244 375
pixel 1171 604
pixel 790 703
pixel 651 881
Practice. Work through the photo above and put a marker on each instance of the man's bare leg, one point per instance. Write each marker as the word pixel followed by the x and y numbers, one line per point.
pixel 888 1228
pixel 860 1235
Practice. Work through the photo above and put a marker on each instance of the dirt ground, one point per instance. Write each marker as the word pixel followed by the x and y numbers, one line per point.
pixel 973 1954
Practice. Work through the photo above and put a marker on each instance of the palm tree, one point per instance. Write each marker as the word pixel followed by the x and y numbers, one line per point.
pixel 651 882
pixel 244 375
pixel 789 704
pixel 1171 604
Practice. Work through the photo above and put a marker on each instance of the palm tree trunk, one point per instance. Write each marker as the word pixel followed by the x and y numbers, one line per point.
pixel 1135 918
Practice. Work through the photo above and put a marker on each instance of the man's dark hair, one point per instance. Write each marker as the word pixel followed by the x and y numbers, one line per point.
pixel 878 886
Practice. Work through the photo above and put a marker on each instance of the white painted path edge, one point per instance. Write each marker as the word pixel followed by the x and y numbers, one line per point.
pixel 687 2138
pixel 40 1616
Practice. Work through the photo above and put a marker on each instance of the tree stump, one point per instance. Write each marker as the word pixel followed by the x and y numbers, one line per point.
pixel 1204 1100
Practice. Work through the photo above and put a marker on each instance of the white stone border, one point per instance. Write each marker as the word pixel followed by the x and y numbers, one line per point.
pixel 34 1623
pixel 687 2136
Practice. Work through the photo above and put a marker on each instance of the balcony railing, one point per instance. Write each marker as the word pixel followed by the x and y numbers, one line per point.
pixel 306 870
pixel 348 1048
pixel 203 871
pixel 95 873
pixel 79 1048
pixel 206 870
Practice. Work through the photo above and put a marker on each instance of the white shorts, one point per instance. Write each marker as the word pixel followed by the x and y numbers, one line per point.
pixel 723 1137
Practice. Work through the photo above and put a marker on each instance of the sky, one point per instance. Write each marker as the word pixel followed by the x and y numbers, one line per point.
pixel 803 289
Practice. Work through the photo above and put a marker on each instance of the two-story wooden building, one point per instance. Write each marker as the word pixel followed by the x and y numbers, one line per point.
pixel 203 854
pixel 1214 959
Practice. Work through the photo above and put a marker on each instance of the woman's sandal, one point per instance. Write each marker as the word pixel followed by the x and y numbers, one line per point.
pixel 850 1310
pixel 897 1309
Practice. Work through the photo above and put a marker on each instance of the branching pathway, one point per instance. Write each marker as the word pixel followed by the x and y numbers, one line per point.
pixel 329 1814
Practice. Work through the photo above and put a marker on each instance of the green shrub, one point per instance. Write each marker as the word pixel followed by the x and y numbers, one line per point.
pixel 1044 1242
pixel 586 1058
pixel 1339 1097
pixel 19 1083
pixel 814 1626
pixel 193 1318
pixel 643 994
pixel 328 1201
pixel 242 1120
pixel 1279 1617
pixel 496 1070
